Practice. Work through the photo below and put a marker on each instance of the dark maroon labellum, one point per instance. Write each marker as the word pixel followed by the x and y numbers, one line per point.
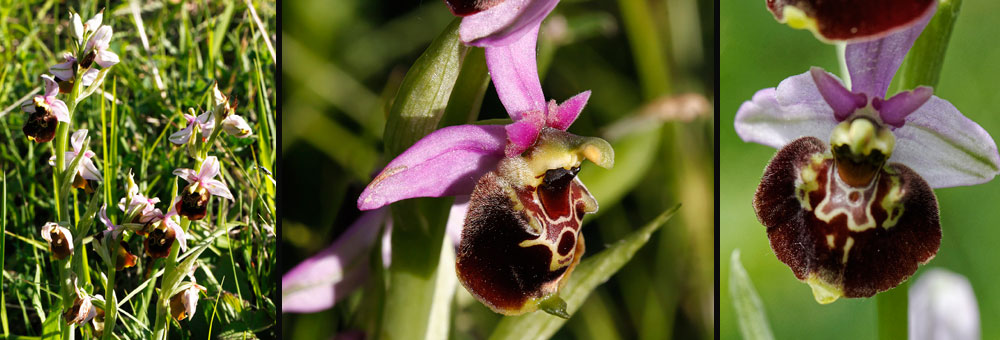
pixel 854 19
pixel 88 60
pixel 159 241
pixel 519 243
pixel 846 239
pixel 194 203
pixel 41 125
pixel 469 7
pixel 59 245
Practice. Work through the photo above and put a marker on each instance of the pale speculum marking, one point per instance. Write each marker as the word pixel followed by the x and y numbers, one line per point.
pixel 842 199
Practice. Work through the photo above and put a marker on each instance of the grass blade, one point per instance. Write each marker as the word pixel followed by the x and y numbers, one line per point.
pixel 749 308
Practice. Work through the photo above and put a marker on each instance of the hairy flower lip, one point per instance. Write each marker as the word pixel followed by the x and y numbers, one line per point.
pixel 837 249
pixel 469 7
pixel 59 238
pixel 851 20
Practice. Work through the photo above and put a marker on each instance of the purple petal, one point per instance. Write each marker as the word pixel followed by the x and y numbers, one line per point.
pixel 209 168
pixel 29 105
pixel 567 112
pixel 456 219
pixel 872 64
pixel 944 147
pixel 59 109
pixel 895 110
pixel 106 58
pixel 446 162
pixel 777 116
pixel 515 75
pixel 104 217
pixel 187 174
pixel 51 87
pixel 320 281
pixel 182 136
pixel 522 134
pixel 77 139
pixel 217 188
pixel 840 99
pixel 89 77
pixel 179 234
pixel 89 171
pixel 100 39
pixel 62 70
pixel 505 23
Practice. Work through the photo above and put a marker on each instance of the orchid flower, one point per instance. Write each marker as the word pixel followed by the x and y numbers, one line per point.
pixel 183 304
pixel 533 157
pixel 110 228
pixel 327 277
pixel 83 309
pixel 521 237
pixel 134 201
pixel 165 230
pixel 193 201
pixel 65 73
pixel 856 216
pixel 86 168
pixel 124 258
pixel 46 113
pixel 59 238
pixel 205 122
pixel 96 50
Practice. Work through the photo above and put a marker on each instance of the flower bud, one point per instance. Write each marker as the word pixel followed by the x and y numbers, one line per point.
pixel 76 27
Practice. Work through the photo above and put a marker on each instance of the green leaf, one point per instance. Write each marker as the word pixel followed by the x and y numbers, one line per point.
pixel 414 295
pixel 470 88
pixel 591 272
pixel 749 308
pixel 425 91
pixel 415 299
pixel 923 63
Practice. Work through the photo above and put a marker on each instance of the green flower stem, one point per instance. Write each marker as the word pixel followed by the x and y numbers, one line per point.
pixel 892 312
pixel 419 224
pixel 111 304
pixel 922 67
pixel 923 63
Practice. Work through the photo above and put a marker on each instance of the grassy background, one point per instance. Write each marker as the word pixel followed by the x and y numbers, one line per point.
pixel 344 60
pixel 757 52
pixel 191 45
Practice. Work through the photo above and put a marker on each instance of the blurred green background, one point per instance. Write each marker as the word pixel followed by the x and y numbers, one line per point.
pixel 344 60
pixel 758 52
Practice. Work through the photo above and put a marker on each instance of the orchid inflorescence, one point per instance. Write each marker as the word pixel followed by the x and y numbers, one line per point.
pixel 848 200
pixel 77 76
pixel 517 192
